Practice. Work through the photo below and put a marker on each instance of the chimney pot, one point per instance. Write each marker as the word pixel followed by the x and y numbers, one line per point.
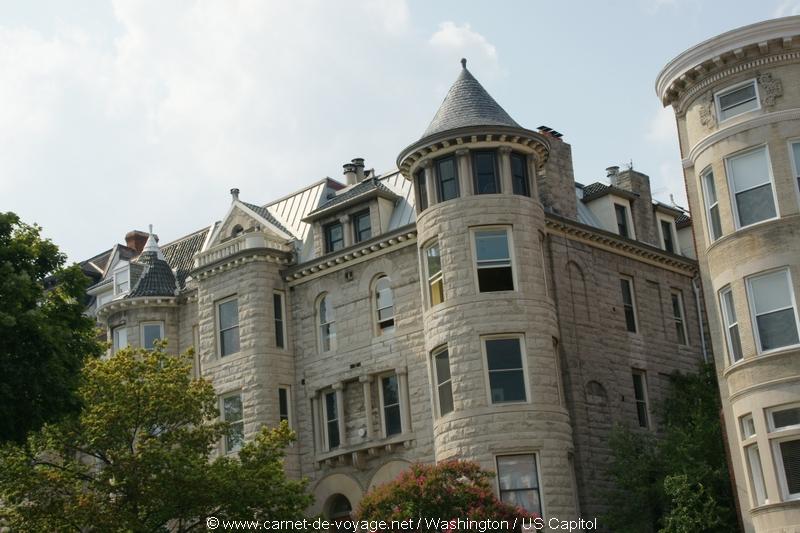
pixel 350 173
pixel 136 240
pixel 359 164
pixel 234 194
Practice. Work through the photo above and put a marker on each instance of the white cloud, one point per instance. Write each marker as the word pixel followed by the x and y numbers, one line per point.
pixel 452 39
pixel 662 128
pixel 184 101
pixel 787 8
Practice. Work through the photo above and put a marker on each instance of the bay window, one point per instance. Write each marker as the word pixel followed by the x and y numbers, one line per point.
pixel 751 187
pixel 773 311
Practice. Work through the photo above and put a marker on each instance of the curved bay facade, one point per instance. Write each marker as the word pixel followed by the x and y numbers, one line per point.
pixel 737 102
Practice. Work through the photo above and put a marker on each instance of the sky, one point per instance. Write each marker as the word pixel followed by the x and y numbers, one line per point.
pixel 119 114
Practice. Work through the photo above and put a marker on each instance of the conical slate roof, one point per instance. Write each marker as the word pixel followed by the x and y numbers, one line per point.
pixel 157 278
pixel 468 104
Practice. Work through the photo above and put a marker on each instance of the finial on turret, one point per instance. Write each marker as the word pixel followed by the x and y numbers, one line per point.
pixel 464 62
pixel 151 229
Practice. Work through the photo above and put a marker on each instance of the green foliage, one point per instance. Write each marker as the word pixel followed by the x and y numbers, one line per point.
pixel 448 490
pixel 44 336
pixel 669 481
pixel 136 458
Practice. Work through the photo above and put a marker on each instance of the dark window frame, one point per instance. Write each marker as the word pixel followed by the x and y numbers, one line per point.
pixel 421 183
pixel 440 182
pixel 523 180
pixel 622 225
pixel 357 231
pixel 495 171
pixel 330 243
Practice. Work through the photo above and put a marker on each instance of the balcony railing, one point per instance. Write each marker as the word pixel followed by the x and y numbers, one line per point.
pixel 246 241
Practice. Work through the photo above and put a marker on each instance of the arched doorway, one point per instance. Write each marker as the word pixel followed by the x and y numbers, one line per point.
pixel 337 511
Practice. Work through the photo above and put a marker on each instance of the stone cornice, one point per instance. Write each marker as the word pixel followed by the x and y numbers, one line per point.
pixel 708 55
pixel 124 304
pixel 738 127
pixel 355 254
pixel 611 242
pixel 242 257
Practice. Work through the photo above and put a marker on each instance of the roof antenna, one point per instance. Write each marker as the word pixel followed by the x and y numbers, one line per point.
pixel 464 62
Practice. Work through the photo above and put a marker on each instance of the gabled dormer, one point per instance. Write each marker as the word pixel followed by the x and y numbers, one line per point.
pixel 357 213
pixel 612 207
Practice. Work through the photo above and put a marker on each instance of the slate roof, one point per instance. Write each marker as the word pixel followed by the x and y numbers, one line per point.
pixel 597 189
pixel 468 104
pixel 180 254
pixel 363 188
pixel 682 221
pixel 264 213
pixel 157 278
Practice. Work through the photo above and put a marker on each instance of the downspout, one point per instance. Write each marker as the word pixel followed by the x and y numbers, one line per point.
pixel 700 318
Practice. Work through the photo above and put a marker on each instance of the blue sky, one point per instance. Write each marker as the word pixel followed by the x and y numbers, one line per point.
pixel 116 115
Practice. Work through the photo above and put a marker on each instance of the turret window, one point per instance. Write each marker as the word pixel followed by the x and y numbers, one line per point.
pixel 280 322
pixel 120 338
pixel 751 184
pixel 784 427
pixel 334 237
pixel 712 206
pixel 433 263
pixel 447 178
pixel 504 362
pixel 444 385
pixel 233 414
pixel 773 309
pixel 151 332
pixel 731 325
pixel 422 189
pixel 737 100
pixel 519 174
pixel 493 260
pixel 485 174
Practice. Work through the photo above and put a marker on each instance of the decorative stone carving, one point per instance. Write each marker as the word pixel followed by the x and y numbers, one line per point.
pixel 769 88
pixel 706 110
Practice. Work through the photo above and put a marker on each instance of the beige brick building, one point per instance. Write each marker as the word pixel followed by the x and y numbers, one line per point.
pixel 737 102
pixel 477 303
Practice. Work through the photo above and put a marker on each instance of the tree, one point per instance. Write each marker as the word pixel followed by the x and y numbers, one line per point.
pixel 44 336
pixel 136 458
pixel 449 490
pixel 681 477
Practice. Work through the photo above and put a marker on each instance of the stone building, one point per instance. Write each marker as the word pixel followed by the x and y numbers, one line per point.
pixel 477 303
pixel 736 98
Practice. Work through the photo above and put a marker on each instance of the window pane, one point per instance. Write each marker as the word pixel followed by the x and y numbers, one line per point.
pixel 622 219
pixel 151 333
pixel 485 173
pixel 120 338
pixel 442 366
pixel 737 96
pixel 448 178
pixel 517 472
pixel 283 404
pixel 229 340
pixel 748 427
pixel 390 395
pixel 519 175
pixel 363 226
pixel 790 453
pixel 232 407
pixel 716 224
pixel 446 398
pixel 334 237
pixel 437 292
pixel 771 292
pixel 786 417
pixel 756 474
pixel 527 499
pixel 434 260
pixel 277 307
pixel 491 245
pixel 777 329
pixel 666 231
pixel 495 279
pixel 736 343
pixel 228 314
pixel 393 423
pixel 638 387
pixel 711 189
pixel 507 386
pixel 730 310
pixel 422 189
pixel 749 170
pixel 755 205
pixel 796 154
pixel 503 354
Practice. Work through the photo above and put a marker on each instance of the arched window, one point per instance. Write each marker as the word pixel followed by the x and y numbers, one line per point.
pixel 237 230
pixel 327 324
pixel 384 305
pixel 339 510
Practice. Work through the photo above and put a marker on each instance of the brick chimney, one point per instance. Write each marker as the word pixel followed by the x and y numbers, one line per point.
pixel 136 240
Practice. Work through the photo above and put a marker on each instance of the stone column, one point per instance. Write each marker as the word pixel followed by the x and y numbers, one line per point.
pixel 464 172
pixel 347 230
pixel 532 183
pixel 405 407
pixel 430 181
pixel 366 384
pixel 339 389
pixel 506 185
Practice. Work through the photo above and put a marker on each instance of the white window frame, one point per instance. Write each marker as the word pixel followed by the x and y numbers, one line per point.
pixel 727 90
pixel 436 385
pixel 780 470
pixel 473 231
pixel 319 325
pixel 159 323
pixel 704 176
pixel 376 310
pixel 795 166
pixel 289 417
pixel 325 420
pixel 727 324
pixel 384 406
pixel 524 361
pixel 633 303
pixel 754 317
pixel 681 304
pixel 429 280
pixel 628 217
pixel 222 399
pixel 537 462
pixel 115 347
pixel 218 325
pixel 756 479
pixel 676 247
pixel 124 269
pixel 731 189
pixel 282 296
pixel 784 407
pixel 646 400
pixel 744 421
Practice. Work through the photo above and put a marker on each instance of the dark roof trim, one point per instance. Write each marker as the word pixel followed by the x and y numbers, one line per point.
pixel 366 190
pixel 597 189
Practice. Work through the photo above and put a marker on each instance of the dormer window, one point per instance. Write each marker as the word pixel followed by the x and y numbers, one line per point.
pixel 621 213
pixel 237 230
pixel 668 235
pixel 737 100
pixel 334 237
pixel 485 175
pixel 447 178
pixel 122 280
pixel 362 226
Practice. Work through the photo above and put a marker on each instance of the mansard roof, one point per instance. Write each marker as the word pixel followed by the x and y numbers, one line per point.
pixel 180 254
pixel 360 191
pixel 468 104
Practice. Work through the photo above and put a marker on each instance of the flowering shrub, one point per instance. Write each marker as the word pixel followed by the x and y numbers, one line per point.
pixel 448 491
